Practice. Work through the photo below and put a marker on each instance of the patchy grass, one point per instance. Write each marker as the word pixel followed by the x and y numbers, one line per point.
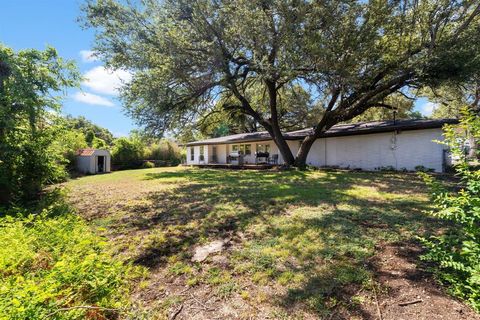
pixel 299 244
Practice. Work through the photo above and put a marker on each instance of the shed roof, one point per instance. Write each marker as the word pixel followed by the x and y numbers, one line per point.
pixel 85 152
pixel 335 131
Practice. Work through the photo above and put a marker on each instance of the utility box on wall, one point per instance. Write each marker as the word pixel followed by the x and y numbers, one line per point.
pixel 93 161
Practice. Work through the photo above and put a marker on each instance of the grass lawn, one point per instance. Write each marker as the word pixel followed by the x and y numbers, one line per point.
pixel 299 245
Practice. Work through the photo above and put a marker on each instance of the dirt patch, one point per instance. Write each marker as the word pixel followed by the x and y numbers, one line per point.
pixel 406 291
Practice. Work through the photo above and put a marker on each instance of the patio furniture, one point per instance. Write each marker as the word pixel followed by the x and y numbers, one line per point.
pixel 235 158
pixel 273 159
pixel 261 157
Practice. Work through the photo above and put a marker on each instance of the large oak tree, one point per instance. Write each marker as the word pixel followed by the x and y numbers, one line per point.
pixel 350 55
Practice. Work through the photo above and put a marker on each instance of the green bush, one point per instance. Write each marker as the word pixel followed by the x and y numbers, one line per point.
pixel 31 83
pixel 127 153
pixel 163 150
pixel 52 262
pixel 148 165
pixel 457 251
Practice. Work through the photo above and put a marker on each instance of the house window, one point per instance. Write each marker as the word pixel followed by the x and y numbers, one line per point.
pixel 263 148
pixel 245 149
pixel 192 154
pixel 202 152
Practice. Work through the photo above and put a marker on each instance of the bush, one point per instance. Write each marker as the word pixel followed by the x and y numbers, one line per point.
pixel 164 150
pixel 51 262
pixel 457 251
pixel 421 168
pixel 148 165
pixel 127 153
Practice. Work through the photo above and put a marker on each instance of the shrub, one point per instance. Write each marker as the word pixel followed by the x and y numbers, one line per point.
pixel 164 150
pixel 457 251
pixel 421 168
pixel 148 165
pixel 52 262
pixel 127 153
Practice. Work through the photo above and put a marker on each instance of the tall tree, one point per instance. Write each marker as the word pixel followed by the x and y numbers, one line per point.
pixel 31 84
pixel 350 54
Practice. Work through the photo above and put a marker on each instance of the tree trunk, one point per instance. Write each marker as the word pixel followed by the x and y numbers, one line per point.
pixel 276 133
pixel 301 158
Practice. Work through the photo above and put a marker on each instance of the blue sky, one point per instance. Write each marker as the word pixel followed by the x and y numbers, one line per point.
pixel 38 23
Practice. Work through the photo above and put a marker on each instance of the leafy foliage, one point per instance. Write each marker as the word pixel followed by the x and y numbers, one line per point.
pixel 96 136
pixel 50 261
pixel 349 56
pixel 457 251
pixel 127 152
pixel 29 159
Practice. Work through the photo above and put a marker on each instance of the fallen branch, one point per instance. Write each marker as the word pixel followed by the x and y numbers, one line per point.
pixel 176 313
pixel 403 304
pixel 380 317
pixel 80 307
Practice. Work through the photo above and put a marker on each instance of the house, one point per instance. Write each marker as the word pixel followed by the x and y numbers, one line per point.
pixel 93 161
pixel 400 144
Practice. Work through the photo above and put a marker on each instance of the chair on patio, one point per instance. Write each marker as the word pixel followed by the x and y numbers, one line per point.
pixel 261 157
pixel 273 159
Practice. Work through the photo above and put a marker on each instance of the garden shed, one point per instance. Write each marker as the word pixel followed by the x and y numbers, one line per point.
pixel 93 161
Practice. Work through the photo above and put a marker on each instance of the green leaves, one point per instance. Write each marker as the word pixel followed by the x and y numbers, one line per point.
pixel 457 251
pixel 31 86
pixel 48 263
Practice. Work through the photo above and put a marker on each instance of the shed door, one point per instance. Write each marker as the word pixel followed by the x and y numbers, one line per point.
pixel 100 163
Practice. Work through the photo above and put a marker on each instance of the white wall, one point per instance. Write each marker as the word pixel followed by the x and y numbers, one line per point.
pixel 373 151
pixel 401 150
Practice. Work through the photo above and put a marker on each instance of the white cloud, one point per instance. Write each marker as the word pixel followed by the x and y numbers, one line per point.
pixel 428 108
pixel 94 99
pixel 88 56
pixel 103 80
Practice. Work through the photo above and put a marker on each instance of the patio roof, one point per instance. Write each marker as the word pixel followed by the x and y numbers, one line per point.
pixel 335 131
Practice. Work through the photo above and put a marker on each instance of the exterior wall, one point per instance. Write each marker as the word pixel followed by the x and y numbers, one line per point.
pixel 83 164
pixel 402 150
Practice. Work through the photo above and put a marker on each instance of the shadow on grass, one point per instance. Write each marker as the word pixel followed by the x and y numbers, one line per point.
pixel 328 242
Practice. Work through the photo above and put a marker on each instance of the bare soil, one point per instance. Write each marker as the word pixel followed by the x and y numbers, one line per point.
pixel 407 291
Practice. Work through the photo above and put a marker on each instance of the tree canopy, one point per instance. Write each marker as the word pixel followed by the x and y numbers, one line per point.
pixel 350 56
pixel 31 85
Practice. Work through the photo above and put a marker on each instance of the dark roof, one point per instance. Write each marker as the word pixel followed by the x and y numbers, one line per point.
pixel 335 131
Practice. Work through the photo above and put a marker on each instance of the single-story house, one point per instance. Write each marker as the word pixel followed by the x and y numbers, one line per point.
pixel 395 144
pixel 93 161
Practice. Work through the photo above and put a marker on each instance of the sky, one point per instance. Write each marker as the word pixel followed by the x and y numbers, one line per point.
pixel 38 23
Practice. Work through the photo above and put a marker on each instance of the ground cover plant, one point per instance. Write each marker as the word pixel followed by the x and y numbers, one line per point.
pixel 295 245
pixel 52 266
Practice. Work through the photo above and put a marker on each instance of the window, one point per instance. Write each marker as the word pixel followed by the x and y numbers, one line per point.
pixel 202 150
pixel 245 149
pixel 192 154
pixel 263 148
